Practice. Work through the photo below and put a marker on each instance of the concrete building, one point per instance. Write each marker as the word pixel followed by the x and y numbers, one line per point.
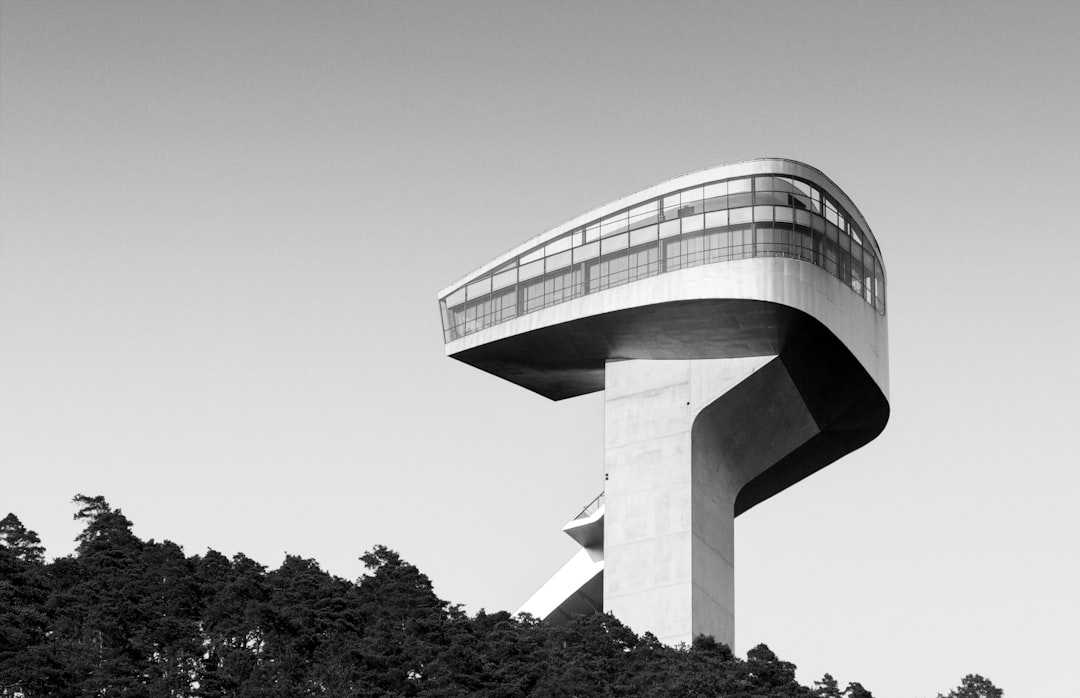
pixel 735 319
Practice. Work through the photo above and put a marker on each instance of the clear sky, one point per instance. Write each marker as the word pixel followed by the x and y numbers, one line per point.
pixel 223 226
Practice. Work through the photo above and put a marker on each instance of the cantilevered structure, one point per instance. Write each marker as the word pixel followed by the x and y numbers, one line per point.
pixel 735 318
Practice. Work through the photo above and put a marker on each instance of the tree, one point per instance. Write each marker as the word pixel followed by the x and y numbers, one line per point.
pixel 827 687
pixel 975 686
pixel 24 544
pixel 771 676
pixel 405 623
pixel 235 613
pixel 856 690
pixel 23 624
pixel 124 617
pixel 98 609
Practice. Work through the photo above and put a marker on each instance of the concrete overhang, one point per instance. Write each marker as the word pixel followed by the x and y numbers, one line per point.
pixel 588 531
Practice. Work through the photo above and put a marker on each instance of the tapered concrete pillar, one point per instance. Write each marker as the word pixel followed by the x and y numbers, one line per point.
pixel 682 437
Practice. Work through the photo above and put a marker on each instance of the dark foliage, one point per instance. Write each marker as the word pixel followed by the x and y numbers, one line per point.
pixel 975 686
pixel 124 617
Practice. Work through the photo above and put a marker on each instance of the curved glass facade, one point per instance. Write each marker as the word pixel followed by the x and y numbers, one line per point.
pixel 737 218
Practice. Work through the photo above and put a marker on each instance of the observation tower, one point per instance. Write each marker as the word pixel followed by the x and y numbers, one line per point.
pixel 735 319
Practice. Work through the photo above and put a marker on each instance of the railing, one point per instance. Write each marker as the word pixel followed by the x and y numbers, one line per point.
pixel 592 507
pixel 798 244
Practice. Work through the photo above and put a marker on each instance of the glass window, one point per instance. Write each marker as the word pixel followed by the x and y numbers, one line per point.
pixel 673 255
pixel 691 224
pixel 533 295
pixel 563 243
pixel 613 224
pixel 692 196
pixel 738 186
pixel 557 288
pixel 532 256
pixel 716 219
pixel 668 228
pixel 615 242
pixel 711 191
pixel 770 241
pixel 644 209
pixel 613 270
pixel 832 254
pixel 644 262
pixel 479 288
pixel 671 207
pixel 586 251
pixel 856 271
pixel 505 278
pixel 693 250
pixel 804 244
pixel 716 203
pixel 768 215
pixel 740 215
pixel 832 246
pixel 527 271
pixel 558 261
pixel 643 235
pixel 771 197
pixel 879 287
pixel 737 200
pixel 742 242
pixel 644 215
pixel 717 245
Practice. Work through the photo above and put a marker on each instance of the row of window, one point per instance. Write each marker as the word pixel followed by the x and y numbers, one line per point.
pixel 734 219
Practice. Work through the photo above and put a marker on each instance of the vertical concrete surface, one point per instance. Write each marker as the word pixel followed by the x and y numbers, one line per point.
pixel 681 439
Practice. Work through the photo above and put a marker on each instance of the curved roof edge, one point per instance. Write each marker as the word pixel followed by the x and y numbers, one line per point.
pixel 756 166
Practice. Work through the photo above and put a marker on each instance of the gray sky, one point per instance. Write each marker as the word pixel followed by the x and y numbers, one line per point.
pixel 223 225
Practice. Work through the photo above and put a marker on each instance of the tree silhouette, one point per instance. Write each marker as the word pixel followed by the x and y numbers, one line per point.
pixel 126 617
pixel 974 686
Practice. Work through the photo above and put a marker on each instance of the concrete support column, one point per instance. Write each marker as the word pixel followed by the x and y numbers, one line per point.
pixel 669 522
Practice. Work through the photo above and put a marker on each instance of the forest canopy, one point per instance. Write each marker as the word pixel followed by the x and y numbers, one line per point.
pixel 127 617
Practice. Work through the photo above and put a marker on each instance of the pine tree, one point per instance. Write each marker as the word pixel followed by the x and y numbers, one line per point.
pixel 856 690
pixel 23 623
pixel 827 687
pixel 975 686
pixel 23 543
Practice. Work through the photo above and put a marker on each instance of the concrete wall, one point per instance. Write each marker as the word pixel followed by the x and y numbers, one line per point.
pixel 681 439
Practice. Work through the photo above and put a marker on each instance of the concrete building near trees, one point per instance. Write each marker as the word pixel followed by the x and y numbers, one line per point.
pixel 735 318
